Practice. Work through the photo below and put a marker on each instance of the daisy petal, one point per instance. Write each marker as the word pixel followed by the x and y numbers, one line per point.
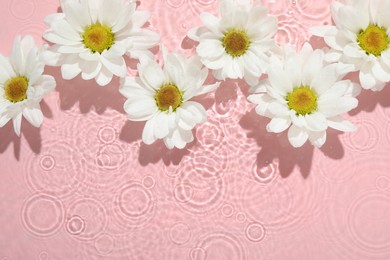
pixel 33 115
pixel 148 132
pixel 297 136
pixel 17 122
pixel 341 124
pixel 278 125
pixel 317 138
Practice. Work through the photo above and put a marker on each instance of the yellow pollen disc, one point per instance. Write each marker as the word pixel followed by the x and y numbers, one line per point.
pixel 236 42
pixel 373 40
pixel 15 89
pixel 98 38
pixel 168 96
pixel 303 100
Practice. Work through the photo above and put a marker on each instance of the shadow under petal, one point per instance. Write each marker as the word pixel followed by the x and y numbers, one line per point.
pixel 151 154
pixel 276 147
pixel 88 94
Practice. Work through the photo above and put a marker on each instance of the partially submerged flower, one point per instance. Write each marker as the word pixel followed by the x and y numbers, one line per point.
pixel 236 45
pixel 92 36
pixel 23 85
pixel 305 95
pixel 361 37
pixel 162 97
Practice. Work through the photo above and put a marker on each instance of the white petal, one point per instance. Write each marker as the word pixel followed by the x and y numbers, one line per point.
pixel 91 70
pixel 278 80
pixel 161 126
pixel 208 88
pixel 148 132
pixel 116 66
pixel 4 118
pixel 66 31
pixel 326 79
pixel 17 59
pixel 193 111
pixel 297 136
pixel 380 72
pixel 33 115
pixel 104 77
pixel 151 74
pixel 367 80
pixel 210 48
pixel 17 122
pixel 77 15
pixel 109 11
pixel 262 101
pixel 140 18
pixel 211 22
pixel 317 138
pixel 278 125
pixel 341 124
pixel 320 31
pixel 333 105
pixel 312 67
pixel 70 71
pixel 6 71
pixel 316 122
pixel 140 109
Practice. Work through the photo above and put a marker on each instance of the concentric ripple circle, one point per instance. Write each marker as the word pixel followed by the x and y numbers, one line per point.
pixel 58 171
pixel 42 215
pixel 219 245
pixel 134 206
pixel 199 193
pixel 104 244
pixel 107 134
pixel 179 233
pixel 86 219
pixel 369 221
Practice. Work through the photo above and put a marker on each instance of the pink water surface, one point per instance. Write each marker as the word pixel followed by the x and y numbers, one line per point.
pixel 83 186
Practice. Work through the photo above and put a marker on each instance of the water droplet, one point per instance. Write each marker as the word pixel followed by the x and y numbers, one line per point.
pixel 75 225
pixel 44 256
pixel 148 182
pixel 255 232
pixel 107 134
pixel 47 162
pixel 382 183
pixel 240 217
pixel 227 210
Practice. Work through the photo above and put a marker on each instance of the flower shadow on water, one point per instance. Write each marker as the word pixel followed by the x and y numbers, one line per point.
pixel 368 99
pixel 87 93
pixel 276 146
pixel 30 133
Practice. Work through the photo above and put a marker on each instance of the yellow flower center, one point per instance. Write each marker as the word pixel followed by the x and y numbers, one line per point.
pixel 98 38
pixel 168 96
pixel 15 89
pixel 303 100
pixel 236 42
pixel 373 40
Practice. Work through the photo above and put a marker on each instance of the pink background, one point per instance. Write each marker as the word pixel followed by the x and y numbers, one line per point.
pixel 83 186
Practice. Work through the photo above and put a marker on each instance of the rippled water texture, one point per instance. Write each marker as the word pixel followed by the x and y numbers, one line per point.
pixel 85 187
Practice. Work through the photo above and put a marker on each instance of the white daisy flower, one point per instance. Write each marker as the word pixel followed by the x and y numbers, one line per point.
pixel 305 95
pixel 162 97
pixel 361 37
pixel 92 36
pixel 236 45
pixel 22 85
